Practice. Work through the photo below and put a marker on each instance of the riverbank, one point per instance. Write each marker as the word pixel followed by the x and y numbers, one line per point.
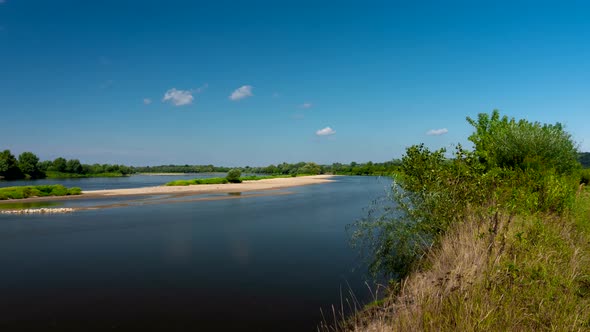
pixel 525 273
pixel 246 186
pixel 257 185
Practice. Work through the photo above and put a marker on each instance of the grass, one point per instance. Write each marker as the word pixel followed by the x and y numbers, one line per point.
pixel 264 177
pixel 27 205
pixel 494 272
pixel 197 181
pixel 61 175
pixel 37 191
pixel 224 180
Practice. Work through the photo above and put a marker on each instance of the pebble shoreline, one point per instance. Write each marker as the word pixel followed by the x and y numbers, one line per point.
pixel 38 211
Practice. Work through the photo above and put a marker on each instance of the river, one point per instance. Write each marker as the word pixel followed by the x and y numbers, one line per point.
pixel 259 263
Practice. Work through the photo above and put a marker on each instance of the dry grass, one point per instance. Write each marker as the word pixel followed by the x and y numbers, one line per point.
pixel 495 272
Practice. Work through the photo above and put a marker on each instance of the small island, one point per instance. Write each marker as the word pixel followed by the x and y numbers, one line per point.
pixel 10 193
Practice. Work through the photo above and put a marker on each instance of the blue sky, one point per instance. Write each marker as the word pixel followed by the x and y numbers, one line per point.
pixel 151 82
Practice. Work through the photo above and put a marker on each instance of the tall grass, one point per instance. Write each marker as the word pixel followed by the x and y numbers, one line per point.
pixel 496 273
pixel 494 239
pixel 492 272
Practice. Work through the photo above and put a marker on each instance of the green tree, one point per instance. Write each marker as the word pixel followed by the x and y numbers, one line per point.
pixel 519 166
pixel 507 143
pixel 233 176
pixel 309 168
pixel 9 169
pixel 74 166
pixel 59 164
pixel 28 163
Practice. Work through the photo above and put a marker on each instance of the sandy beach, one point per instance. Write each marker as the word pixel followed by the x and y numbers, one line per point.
pixel 246 186
pixel 266 184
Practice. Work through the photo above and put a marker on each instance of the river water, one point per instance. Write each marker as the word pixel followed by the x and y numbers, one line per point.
pixel 247 263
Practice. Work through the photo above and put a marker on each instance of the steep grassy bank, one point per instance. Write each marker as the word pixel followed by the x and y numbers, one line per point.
pixel 495 273
pixel 495 239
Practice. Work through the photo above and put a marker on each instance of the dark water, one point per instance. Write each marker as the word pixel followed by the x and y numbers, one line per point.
pixel 247 264
pixel 134 181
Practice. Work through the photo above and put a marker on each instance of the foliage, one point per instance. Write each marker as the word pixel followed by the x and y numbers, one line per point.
pixel 584 159
pixel 503 142
pixel 9 169
pixel 233 176
pixel 258 177
pixel 59 165
pixel 518 167
pixel 197 181
pixel 28 163
pixel 223 180
pixel 310 168
pixel 37 191
pixel 496 272
pixel 29 166
pixel 181 169
pixel 585 176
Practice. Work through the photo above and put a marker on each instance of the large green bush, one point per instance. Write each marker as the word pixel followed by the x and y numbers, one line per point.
pixel 233 176
pixel 503 142
pixel 516 166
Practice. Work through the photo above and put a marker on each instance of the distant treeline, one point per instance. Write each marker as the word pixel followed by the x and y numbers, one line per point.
pixel 353 168
pixel 28 166
pixel 181 169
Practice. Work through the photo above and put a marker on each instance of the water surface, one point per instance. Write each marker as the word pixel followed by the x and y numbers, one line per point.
pixel 132 181
pixel 262 263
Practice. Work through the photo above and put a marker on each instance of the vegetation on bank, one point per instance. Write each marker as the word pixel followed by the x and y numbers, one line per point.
pixel 197 181
pixel 28 166
pixel 218 180
pixel 584 159
pixel 37 191
pixel 497 238
pixel 369 168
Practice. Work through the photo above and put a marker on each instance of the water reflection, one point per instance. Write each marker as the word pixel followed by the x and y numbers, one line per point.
pixel 265 261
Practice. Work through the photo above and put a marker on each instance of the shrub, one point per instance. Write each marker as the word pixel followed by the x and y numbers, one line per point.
pixel 197 181
pixel 37 191
pixel 233 176
pixel 521 167
pixel 504 142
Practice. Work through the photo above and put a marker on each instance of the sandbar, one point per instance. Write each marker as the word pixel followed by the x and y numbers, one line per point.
pixel 257 185
pixel 246 186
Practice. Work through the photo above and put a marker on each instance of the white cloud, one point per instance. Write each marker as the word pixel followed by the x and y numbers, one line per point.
pixel 325 132
pixel 242 92
pixel 306 105
pixel 178 97
pixel 437 132
pixel 147 101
